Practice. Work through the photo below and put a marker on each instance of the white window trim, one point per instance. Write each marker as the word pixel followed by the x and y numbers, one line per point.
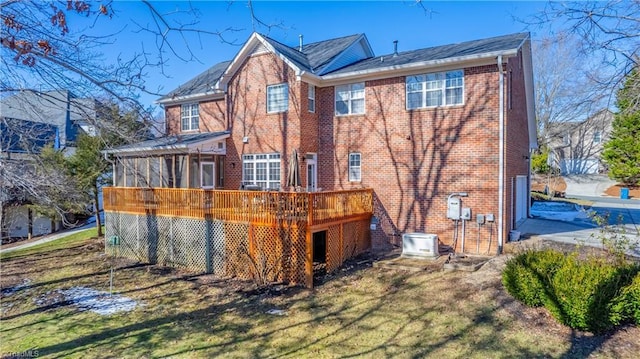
pixel 311 97
pixel 350 100
pixel 270 159
pixel 190 116
pixel 597 137
pixel 205 163
pixel 359 167
pixel 279 109
pixel 442 89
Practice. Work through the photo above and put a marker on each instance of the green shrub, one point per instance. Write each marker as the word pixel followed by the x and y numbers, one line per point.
pixel 626 306
pixel 527 275
pixel 593 294
pixel 540 162
pixel 576 301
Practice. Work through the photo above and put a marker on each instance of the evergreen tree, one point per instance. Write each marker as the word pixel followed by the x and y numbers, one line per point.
pixel 622 151
pixel 88 166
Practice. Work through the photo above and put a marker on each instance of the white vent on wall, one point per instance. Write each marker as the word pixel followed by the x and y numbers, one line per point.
pixel 420 245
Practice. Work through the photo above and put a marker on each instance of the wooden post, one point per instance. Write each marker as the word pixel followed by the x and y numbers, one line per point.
pixel 208 239
pixel 30 220
pixel 308 263
pixel 173 169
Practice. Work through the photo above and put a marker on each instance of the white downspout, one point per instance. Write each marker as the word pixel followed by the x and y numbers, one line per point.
pixel 500 157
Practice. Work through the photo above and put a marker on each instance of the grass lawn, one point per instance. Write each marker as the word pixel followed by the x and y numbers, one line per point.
pixel 362 311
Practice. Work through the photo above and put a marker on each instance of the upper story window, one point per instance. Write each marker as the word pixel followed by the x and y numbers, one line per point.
pixel 435 89
pixel 350 99
pixel 355 172
pixel 566 139
pixel 189 117
pixel 312 98
pixel 277 98
pixel 597 137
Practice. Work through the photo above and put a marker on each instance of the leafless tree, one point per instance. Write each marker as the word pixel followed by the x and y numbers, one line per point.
pixel 55 45
pixel 562 98
pixel 609 33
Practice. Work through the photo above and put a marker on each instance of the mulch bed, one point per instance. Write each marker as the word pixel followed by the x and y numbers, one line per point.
pixel 614 191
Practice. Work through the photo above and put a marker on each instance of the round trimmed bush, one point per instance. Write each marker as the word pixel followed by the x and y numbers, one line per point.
pixel 527 275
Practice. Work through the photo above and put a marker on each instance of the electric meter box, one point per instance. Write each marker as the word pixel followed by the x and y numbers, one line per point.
pixel 453 207
pixel 465 213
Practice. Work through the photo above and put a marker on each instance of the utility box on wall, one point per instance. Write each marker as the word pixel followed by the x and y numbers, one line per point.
pixel 420 245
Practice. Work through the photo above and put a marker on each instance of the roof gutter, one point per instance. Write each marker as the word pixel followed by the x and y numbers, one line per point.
pixel 195 97
pixel 179 148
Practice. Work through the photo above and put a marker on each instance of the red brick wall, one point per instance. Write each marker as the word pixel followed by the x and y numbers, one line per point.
pixel 415 159
pixel 412 159
pixel 267 132
pixel 212 117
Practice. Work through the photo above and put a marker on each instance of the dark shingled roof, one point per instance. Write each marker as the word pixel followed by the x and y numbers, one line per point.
pixel 316 54
pixel 312 57
pixel 297 57
pixel 168 142
pixel 200 84
pixel 476 47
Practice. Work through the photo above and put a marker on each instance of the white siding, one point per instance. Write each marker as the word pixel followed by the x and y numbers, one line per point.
pixel 579 166
pixel 18 222
pixel 258 49
pixel 354 53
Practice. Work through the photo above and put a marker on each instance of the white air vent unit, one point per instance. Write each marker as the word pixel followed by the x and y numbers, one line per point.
pixel 420 245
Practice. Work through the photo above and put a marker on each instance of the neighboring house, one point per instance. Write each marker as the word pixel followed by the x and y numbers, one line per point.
pixel 70 114
pixel 20 139
pixel 415 127
pixel 29 121
pixel 576 147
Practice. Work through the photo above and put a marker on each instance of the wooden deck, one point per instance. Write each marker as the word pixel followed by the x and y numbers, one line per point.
pixel 271 230
pixel 259 207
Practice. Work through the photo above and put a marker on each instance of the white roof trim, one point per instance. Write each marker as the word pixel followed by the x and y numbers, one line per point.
pixel 529 93
pixel 244 53
pixel 215 95
pixel 176 148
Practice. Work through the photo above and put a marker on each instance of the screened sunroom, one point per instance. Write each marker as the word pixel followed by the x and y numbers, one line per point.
pixel 178 161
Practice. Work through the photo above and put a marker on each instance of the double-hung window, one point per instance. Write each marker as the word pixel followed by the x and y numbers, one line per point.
pixel 597 137
pixel 355 172
pixel 435 89
pixel 350 99
pixel 189 117
pixel 262 170
pixel 312 98
pixel 277 98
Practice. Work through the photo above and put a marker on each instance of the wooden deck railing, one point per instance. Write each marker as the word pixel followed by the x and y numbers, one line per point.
pixel 247 206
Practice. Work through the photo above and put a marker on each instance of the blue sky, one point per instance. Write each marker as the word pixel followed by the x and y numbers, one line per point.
pixel 381 21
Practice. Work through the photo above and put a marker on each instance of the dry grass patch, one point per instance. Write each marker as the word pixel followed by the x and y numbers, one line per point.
pixel 361 312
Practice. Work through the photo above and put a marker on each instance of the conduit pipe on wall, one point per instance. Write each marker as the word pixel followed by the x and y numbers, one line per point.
pixel 500 156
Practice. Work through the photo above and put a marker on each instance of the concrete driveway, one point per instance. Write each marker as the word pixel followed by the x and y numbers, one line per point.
pixel 587 185
pixel 623 215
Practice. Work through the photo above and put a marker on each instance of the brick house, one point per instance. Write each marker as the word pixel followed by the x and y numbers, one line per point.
pixel 415 127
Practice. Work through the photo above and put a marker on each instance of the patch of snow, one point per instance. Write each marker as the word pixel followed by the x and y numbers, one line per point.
pixel 277 312
pixel 93 300
pixel 559 211
pixel 11 290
